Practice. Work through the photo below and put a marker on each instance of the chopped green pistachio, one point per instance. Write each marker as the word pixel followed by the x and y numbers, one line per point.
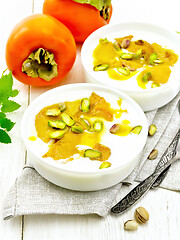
pixel 57 134
pixel 67 119
pixel 53 112
pixel 136 129
pixel 101 67
pixel 62 106
pixel 117 46
pixel 105 165
pixel 98 126
pixel 124 70
pixel 103 41
pixel 85 104
pixel 77 128
pixel 90 153
pixel 155 85
pixel 152 130
pixel 85 123
pixel 158 61
pixel 57 124
pixel 153 154
pixel 126 56
pixel 115 128
pixel 138 54
pixel 153 57
pixel 147 77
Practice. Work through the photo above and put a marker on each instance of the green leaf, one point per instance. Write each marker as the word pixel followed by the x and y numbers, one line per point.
pixel 4 137
pixel 178 32
pixel 14 93
pixel 99 4
pixel 6 82
pixel 6 124
pixel 2 115
pixel 9 106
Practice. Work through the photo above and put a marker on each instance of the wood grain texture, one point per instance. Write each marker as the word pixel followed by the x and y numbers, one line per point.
pixel 163 205
pixel 12 156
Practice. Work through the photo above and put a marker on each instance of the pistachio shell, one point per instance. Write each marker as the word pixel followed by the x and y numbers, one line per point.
pixel 141 215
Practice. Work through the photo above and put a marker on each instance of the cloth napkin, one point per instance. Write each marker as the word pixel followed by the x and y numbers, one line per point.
pixel 32 194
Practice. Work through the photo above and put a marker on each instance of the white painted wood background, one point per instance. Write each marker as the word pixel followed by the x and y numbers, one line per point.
pixel 163 205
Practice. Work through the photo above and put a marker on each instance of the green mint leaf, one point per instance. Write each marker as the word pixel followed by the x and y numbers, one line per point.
pixel 99 4
pixel 6 124
pixel 4 137
pixel 9 106
pixel 2 115
pixel 6 83
pixel 14 93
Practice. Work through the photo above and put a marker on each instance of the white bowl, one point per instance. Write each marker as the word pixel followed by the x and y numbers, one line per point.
pixel 84 174
pixel 148 99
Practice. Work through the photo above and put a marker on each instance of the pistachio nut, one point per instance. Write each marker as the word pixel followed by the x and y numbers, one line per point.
pixel 152 130
pixel 131 225
pixel 155 85
pixel 141 215
pixel 153 154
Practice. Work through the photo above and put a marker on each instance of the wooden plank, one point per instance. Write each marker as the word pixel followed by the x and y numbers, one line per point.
pixel 12 156
pixel 163 223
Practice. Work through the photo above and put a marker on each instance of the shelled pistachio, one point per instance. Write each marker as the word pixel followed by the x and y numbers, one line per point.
pixel 126 56
pixel 85 105
pixel 153 154
pixel 90 153
pixel 77 128
pixel 155 85
pixel 136 129
pixel 124 70
pixel 57 124
pixel 131 225
pixel 152 130
pixel 57 134
pixel 85 123
pixel 152 58
pixel 147 77
pixel 138 54
pixel 67 119
pixel 98 126
pixel 105 165
pixel 158 61
pixel 117 46
pixel 115 128
pixel 101 67
pixel 53 112
pixel 62 106
pixel 125 43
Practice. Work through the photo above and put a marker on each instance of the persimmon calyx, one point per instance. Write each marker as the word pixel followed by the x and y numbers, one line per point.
pixel 102 5
pixel 41 64
pixel 105 12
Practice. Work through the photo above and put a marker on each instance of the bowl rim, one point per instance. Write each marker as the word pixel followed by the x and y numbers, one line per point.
pixel 116 25
pixel 65 88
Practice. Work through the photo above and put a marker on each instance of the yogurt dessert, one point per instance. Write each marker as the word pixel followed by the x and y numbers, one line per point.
pixel 88 131
pixel 139 59
pixel 124 59
pixel 84 136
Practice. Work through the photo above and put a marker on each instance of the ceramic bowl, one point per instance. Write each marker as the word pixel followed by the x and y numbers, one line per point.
pixel 84 174
pixel 148 99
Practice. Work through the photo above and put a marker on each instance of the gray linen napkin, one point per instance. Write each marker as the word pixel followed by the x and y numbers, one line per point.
pixel 32 194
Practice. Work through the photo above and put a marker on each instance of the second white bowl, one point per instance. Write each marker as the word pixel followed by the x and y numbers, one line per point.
pixel 148 99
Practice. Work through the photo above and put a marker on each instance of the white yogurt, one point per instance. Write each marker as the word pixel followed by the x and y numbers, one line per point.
pixel 123 149
pixel 147 98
